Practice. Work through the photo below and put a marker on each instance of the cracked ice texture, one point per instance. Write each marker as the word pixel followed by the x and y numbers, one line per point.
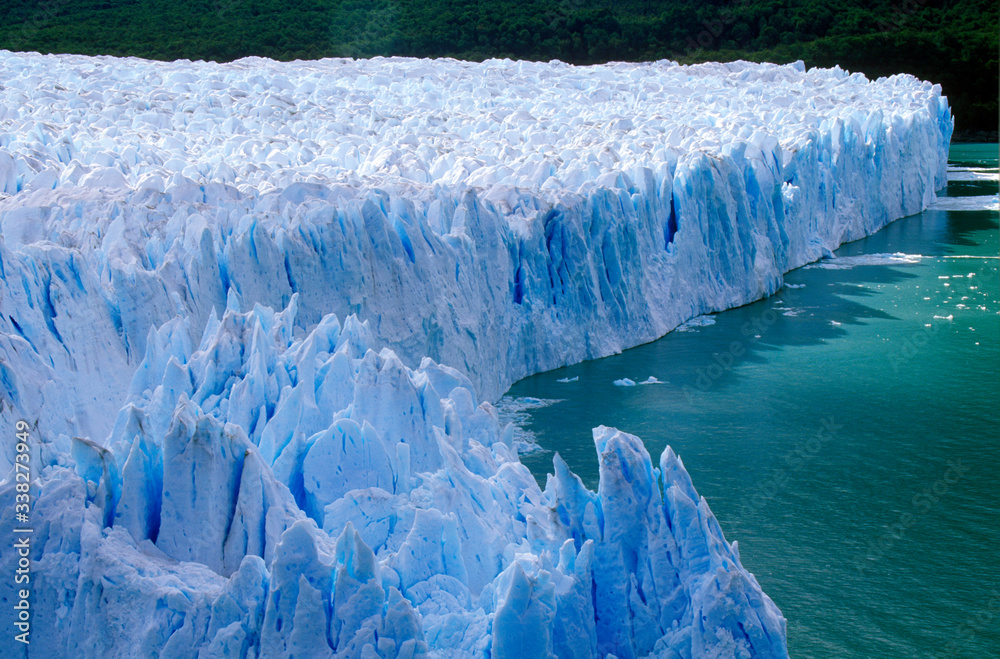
pixel 230 470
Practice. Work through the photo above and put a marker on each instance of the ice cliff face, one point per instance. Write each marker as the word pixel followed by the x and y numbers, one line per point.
pixel 310 497
pixel 227 469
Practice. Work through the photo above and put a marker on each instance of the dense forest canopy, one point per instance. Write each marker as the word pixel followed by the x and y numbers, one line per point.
pixel 951 42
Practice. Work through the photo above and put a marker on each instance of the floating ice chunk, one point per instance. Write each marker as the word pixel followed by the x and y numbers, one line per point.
pixel 695 323
pixel 624 382
pixel 651 380
pixel 848 262
pixel 971 203
pixel 972 174
pixel 575 378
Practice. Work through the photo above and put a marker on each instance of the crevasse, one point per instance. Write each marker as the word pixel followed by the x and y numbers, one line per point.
pixel 255 313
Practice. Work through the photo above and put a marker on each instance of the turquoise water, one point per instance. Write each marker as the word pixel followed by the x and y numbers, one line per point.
pixel 845 431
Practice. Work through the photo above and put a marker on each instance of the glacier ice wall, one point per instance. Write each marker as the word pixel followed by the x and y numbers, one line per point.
pixel 262 495
pixel 226 465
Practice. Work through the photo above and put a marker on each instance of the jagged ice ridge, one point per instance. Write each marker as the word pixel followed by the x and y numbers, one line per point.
pixel 226 468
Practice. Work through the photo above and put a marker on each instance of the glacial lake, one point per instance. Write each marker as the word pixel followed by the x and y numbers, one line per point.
pixel 846 431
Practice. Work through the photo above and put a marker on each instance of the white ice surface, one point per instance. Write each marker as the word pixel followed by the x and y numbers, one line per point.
pixel 848 262
pixel 971 203
pixel 961 173
pixel 706 320
pixel 252 311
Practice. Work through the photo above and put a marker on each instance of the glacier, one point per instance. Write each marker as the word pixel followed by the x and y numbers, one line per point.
pixel 256 313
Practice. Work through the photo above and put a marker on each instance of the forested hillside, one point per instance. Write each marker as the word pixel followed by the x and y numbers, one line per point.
pixel 947 41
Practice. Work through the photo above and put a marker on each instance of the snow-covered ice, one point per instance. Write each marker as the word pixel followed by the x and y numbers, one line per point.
pixel 255 313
